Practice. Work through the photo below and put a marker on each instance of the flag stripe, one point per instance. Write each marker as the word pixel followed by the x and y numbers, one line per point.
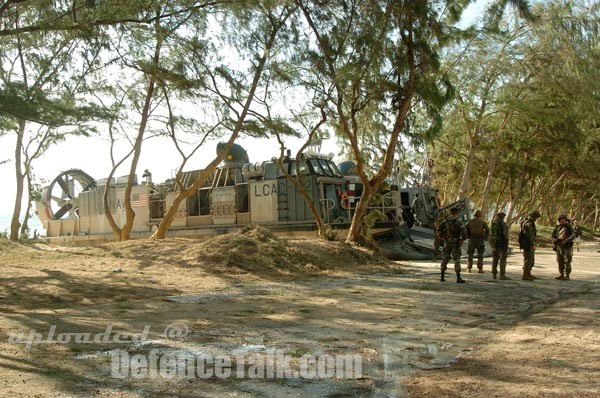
pixel 139 200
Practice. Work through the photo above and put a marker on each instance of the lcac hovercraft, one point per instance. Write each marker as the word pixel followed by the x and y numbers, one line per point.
pixel 236 194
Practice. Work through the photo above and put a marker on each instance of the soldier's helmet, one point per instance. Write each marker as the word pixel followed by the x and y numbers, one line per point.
pixel 563 217
pixel 477 213
pixel 535 214
pixel 501 215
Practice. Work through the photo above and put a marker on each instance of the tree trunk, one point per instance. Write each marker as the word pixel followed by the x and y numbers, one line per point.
pixel 485 200
pixel 105 203
pixel 165 224
pixel 370 187
pixel 466 179
pixel 499 199
pixel 314 210
pixel 137 147
pixel 297 180
pixel 24 226
pixel 19 176
pixel 359 214
pixel 350 126
pixel 585 212
pixel 596 217
pixel 485 196
pixel 574 210
pixel 445 192
pixel 515 198
pixel 129 212
pixel 312 207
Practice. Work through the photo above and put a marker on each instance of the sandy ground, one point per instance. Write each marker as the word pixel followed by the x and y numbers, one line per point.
pixel 252 294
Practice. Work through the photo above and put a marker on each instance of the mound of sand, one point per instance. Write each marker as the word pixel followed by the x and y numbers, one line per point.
pixel 253 249
pixel 8 246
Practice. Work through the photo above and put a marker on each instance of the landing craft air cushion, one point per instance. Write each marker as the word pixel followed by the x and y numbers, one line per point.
pixel 239 193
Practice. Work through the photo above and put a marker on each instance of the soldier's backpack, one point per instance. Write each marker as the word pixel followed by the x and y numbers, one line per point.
pixel 450 228
pixel 524 242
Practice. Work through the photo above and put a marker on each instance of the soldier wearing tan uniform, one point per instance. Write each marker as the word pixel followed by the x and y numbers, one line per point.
pixel 529 230
pixel 563 237
pixel 477 233
pixel 499 242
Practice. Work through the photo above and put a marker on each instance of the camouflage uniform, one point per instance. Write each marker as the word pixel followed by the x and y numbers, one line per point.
pixel 417 208
pixel 477 233
pixel 563 240
pixel 437 240
pixel 530 230
pixel 499 242
pixel 453 233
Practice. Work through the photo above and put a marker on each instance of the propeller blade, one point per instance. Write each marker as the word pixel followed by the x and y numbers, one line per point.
pixel 62 211
pixel 65 187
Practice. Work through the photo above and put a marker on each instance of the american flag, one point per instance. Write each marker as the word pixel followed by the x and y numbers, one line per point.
pixel 139 200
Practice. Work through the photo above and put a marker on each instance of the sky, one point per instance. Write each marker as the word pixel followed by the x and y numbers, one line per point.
pixel 158 154
pixel 91 155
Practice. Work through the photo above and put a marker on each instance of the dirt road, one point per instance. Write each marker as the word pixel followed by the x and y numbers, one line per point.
pixel 414 335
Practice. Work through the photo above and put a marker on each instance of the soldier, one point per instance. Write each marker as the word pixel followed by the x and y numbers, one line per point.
pixel 499 242
pixel 437 240
pixel 453 234
pixel 563 244
pixel 529 232
pixel 417 207
pixel 477 233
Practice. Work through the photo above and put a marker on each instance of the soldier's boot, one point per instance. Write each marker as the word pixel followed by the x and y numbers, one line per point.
pixel 494 275
pixel 561 271
pixel 533 277
pixel 527 275
pixel 567 277
pixel 458 278
pixel 469 264
pixel 480 265
pixel 503 277
pixel 442 279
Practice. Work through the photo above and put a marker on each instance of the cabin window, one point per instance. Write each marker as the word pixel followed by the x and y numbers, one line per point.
pixel 314 164
pixel 335 169
pixel 238 176
pixel 221 178
pixel 193 206
pixel 230 180
pixel 204 196
pixel 325 166
pixel 242 198
pixel 302 166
